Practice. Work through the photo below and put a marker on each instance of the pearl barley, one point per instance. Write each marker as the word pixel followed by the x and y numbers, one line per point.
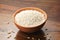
pixel 29 18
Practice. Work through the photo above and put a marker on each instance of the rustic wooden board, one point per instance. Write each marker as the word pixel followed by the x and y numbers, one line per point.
pixel 51 30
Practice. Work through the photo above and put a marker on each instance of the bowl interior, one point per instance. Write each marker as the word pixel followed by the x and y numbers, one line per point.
pixel 30 8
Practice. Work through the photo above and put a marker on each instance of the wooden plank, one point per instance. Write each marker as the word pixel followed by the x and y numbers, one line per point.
pixel 8 31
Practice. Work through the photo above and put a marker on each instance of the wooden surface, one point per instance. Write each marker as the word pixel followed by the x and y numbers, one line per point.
pixel 51 30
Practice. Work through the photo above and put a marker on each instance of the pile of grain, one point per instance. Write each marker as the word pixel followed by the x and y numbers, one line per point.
pixel 29 18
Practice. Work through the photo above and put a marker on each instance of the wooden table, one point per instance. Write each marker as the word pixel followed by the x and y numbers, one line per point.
pixel 50 31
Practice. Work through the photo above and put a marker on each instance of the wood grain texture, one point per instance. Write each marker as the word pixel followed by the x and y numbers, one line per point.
pixel 8 7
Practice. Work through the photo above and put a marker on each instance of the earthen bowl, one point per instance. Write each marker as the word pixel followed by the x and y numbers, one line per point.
pixel 32 29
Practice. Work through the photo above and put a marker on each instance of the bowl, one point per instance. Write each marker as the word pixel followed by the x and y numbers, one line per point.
pixel 31 29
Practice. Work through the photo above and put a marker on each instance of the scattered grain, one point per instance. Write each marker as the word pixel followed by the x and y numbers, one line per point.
pixel 9 36
pixel 32 38
pixel 38 38
pixel 46 29
pixel 28 37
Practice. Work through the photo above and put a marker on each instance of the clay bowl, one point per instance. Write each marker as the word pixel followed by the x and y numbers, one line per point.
pixel 32 29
